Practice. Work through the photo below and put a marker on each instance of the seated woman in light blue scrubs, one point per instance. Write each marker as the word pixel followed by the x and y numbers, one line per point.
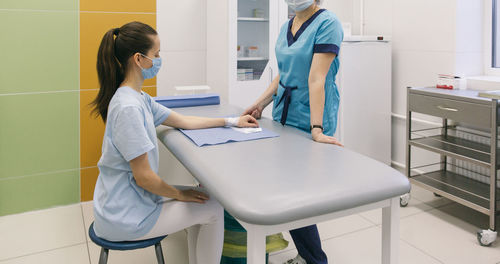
pixel 304 93
pixel 131 202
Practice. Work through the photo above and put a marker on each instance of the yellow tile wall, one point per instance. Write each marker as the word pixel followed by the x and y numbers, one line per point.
pixel 96 18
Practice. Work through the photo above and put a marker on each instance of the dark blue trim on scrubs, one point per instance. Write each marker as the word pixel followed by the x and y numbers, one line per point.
pixel 287 95
pixel 326 48
pixel 291 38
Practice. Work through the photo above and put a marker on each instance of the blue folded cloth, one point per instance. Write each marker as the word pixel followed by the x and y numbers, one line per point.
pixel 188 100
pixel 222 135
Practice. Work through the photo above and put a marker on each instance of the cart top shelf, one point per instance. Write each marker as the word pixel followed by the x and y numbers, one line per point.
pixel 463 95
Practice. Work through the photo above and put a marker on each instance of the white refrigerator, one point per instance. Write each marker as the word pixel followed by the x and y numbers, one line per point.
pixel 364 83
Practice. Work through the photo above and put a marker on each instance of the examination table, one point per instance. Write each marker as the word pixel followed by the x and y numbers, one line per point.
pixel 283 183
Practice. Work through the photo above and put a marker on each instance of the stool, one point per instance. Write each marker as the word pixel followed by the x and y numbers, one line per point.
pixel 125 245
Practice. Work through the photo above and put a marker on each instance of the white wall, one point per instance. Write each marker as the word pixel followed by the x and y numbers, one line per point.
pixel 469 37
pixel 429 37
pixel 183 34
pixel 217 41
pixel 345 10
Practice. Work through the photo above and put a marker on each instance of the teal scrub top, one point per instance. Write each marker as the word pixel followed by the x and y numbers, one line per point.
pixel 322 33
pixel 123 210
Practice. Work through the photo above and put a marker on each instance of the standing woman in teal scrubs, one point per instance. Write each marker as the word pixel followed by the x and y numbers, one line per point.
pixel 304 93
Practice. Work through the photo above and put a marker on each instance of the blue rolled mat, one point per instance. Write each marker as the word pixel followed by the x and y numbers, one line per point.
pixel 188 100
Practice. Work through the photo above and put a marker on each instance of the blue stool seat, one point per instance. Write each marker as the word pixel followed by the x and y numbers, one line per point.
pixel 125 245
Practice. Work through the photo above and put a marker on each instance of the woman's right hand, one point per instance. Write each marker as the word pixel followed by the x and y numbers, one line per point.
pixel 247 121
pixel 192 196
pixel 318 136
pixel 254 110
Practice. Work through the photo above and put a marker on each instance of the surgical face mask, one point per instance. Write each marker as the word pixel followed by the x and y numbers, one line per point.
pixel 151 72
pixel 299 5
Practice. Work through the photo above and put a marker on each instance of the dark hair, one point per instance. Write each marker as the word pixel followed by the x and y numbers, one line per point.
pixel 113 56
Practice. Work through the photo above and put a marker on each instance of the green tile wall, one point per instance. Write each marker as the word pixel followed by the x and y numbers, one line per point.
pixel 39 51
pixel 31 193
pixel 54 5
pixel 39 104
pixel 39 133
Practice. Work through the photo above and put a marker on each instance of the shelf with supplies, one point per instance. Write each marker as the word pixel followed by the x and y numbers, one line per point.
pixel 467 144
pixel 243 37
pixel 252 58
pixel 252 19
pixel 249 81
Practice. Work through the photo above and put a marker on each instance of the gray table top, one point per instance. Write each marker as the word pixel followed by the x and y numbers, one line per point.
pixel 278 180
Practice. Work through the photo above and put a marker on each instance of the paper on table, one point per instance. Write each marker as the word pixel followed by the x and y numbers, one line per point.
pixel 222 135
pixel 247 130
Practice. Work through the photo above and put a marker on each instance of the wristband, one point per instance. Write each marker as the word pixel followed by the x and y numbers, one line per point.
pixel 317 126
pixel 231 121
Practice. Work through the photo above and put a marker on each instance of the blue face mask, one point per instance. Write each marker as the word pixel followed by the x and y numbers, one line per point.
pixel 299 5
pixel 151 72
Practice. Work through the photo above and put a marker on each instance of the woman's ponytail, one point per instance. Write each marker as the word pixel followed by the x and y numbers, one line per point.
pixel 109 72
pixel 117 46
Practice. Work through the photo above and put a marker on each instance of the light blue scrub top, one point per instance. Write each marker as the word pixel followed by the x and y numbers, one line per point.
pixel 124 211
pixel 322 33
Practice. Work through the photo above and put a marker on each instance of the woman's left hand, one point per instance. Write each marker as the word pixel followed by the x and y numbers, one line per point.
pixel 247 121
pixel 318 136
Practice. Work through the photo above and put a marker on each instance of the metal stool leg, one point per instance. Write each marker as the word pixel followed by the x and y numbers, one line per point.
pixel 103 258
pixel 159 253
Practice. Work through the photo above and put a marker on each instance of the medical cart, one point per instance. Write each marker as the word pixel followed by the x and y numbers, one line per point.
pixel 466 145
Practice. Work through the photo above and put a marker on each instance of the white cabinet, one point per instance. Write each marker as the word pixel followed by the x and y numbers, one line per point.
pixel 364 83
pixel 253 27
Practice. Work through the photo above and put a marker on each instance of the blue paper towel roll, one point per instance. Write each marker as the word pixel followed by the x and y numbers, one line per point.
pixel 188 100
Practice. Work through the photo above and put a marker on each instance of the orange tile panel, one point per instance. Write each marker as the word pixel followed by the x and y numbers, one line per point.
pixel 88 178
pixel 150 90
pixel 146 6
pixel 91 131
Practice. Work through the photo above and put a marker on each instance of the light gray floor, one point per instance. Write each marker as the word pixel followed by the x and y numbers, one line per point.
pixel 433 230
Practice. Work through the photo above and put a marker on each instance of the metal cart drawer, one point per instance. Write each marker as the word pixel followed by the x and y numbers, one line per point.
pixel 470 113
